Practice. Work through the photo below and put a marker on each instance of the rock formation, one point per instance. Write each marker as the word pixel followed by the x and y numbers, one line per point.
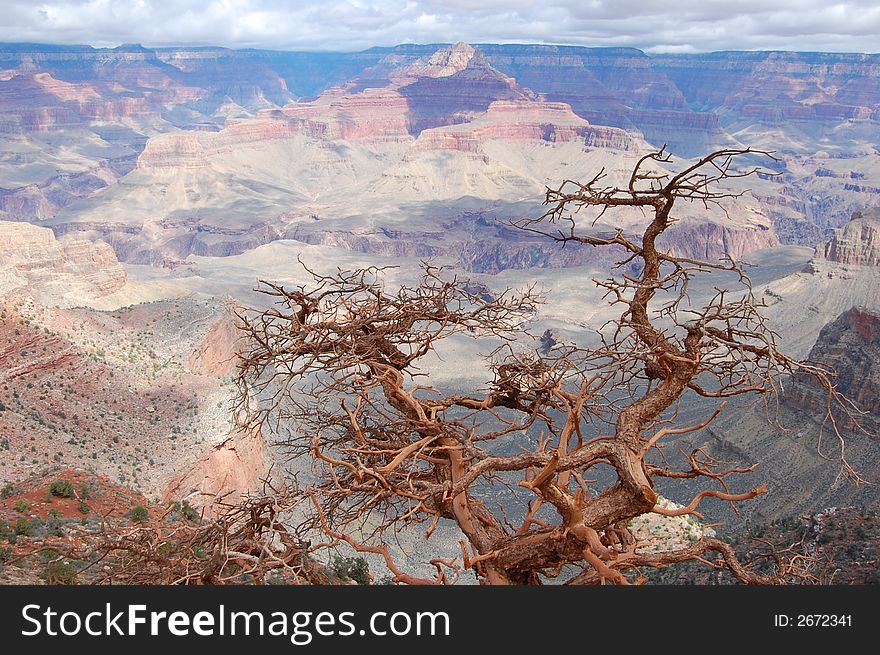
pixel 793 444
pixel 850 347
pixel 383 122
pixel 858 242
pixel 226 472
pixel 217 351
pixel 515 120
pixel 238 463
pixel 67 271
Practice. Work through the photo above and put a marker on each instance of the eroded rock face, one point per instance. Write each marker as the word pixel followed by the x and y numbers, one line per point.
pixel 216 355
pixel 464 86
pixel 712 241
pixel 523 120
pixel 238 464
pixel 779 86
pixel 227 472
pixel 858 242
pixel 42 103
pixel 70 270
pixel 849 346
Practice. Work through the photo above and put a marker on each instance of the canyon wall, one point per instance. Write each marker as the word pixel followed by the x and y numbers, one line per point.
pixel 849 346
pixel 858 242
pixel 208 151
pixel 69 270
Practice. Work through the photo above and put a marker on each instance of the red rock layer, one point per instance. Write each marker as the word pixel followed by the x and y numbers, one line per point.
pixel 849 346
pixel 523 120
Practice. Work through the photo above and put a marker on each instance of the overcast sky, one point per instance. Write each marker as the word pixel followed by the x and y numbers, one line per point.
pixel 653 25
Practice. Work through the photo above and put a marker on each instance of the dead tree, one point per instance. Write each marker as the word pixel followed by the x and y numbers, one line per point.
pixel 337 362
pixel 248 543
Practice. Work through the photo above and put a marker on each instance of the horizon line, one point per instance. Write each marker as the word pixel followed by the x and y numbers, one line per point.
pixel 122 46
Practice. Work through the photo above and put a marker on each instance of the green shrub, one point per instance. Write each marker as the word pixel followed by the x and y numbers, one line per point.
pixel 7 490
pixel 61 489
pixel 21 505
pixel 49 554
pixel 5 553
pixel 60 572
pixel 138 514
pixel 351 568
pixel 23 527
pixel 83 508
pixel 55 526
pixel 185 511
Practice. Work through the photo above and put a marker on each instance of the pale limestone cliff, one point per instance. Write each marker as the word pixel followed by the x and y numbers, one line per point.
pixel 858 242
pixel 62 271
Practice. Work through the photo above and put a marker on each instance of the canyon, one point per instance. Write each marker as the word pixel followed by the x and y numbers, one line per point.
pixel 145 191
pixel 97 371
pixel 166 150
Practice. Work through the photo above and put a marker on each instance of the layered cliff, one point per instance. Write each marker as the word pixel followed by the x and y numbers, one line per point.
pixel 454 86
pixel 792 444
pixel 227 152
pixel 849 346
pixel 779 86
pixel 523 120
pixel 68 271
pixel 858 242
pixel 619 87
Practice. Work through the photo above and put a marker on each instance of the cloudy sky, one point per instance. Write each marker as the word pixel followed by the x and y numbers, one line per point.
pixel 693 25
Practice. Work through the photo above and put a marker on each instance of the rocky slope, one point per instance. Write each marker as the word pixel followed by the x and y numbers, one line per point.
pixel 850 347
pixel 140 394
pixel 841 544
pixel 793 444
pixel 801 303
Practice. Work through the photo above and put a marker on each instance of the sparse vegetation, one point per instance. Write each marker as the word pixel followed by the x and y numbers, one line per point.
pixel 62 489
pixel 60 572
pixel 185 511
pixel 23 527
pixel 138 514
pixel 351 568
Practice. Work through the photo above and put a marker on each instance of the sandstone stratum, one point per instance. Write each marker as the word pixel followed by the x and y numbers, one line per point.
pixel 69 271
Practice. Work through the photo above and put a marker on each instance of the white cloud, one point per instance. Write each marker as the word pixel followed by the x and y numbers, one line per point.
pixel 850 25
